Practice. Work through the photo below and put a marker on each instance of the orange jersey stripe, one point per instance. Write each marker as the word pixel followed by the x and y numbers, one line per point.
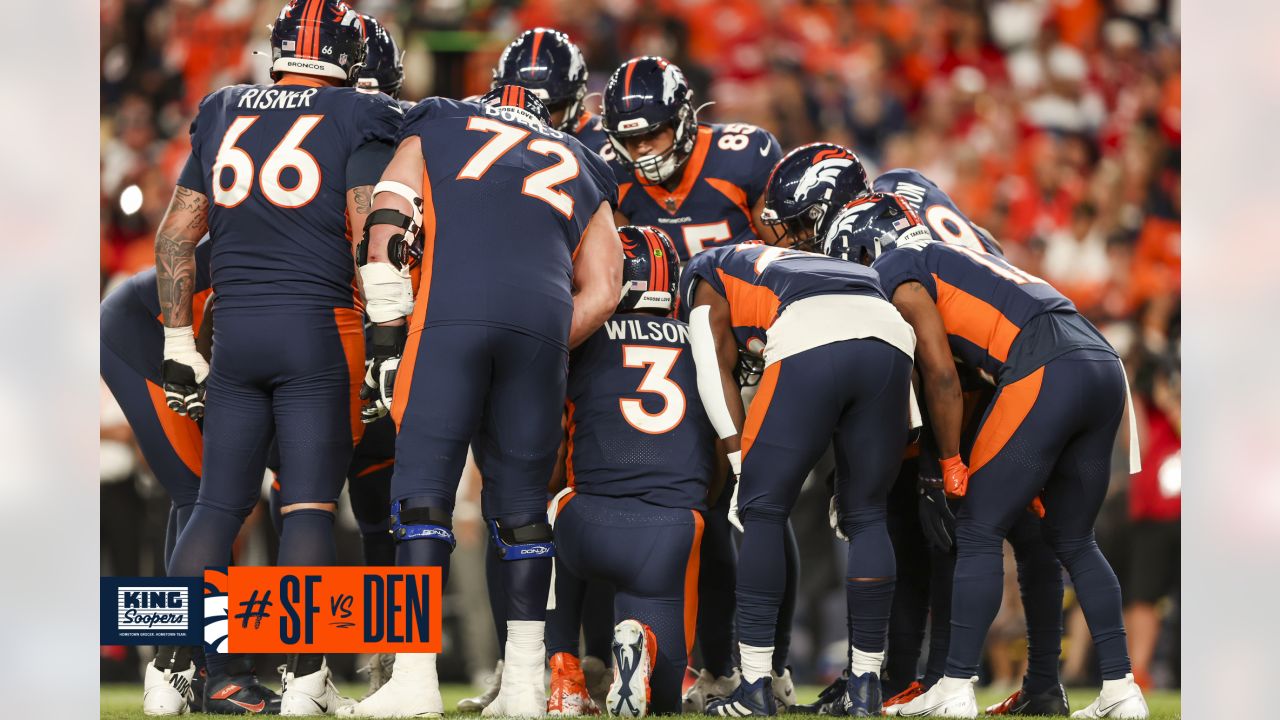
pixel 691 570
pixel 404 375
pixel 351 329
pixel 750 305
pixel 1011 407
pixel 973 319
pixel 692 170
pixel 182 432
pixel 623 189
pixel 376 467
pixel 568 450
pixel 736 194
pixel 760 406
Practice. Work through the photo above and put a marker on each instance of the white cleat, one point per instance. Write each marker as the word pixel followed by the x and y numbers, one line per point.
pixel 1119 699
pixel 949 697
pixel 412 691
pixel 312 694
pixel 708 686
pixel 635 649
pixel 784 691
pixel 523 691
pixel 491 686
pixel 166 692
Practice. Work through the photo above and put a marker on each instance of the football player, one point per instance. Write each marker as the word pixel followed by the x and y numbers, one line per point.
pixel 1045 440
pixel 525 264
pixel 837 365
pixel 277 175
pixel 701 182
pixel 549 64
pixel 640 453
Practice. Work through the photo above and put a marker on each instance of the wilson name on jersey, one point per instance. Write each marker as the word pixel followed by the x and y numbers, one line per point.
pixel 276 161
pixel 636 423
pixel 506 203
pixel 719 185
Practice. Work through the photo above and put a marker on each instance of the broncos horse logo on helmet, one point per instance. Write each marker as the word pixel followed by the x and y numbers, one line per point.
pixel 644 95
pixel 872 225
pixel 650 270
pixel 547 62
pixel 318 37
pixel 384 62
pixel 806 187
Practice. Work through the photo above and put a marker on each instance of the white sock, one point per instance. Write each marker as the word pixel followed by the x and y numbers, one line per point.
pixel 1117 688
pixel 757 662
pixel 951 686
pixel 525 643
pixel 415 667
pixel 861 663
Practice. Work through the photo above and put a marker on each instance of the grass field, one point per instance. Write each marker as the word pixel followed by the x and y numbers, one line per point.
pixel 124 702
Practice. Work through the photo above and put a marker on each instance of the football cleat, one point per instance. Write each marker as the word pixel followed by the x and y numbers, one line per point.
pixel 784 691
pixel 492 685
pixel 707 687
pixel 1119 699
pixel 949 697
pixel 166 692
pixel 412 691
pixel 568 696
pixel 598 677
pixel 830 699
pixel 753 699
pixel 913 691
pixel 311 694
pixel 240 695
pixel 862 696
pixel 1050 702
pixel 635 651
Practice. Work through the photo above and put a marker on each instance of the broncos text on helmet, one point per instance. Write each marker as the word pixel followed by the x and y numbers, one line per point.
pixel 384 63
pixel 318 37
pixel 548 63
pixel 870 225
pixel 650 270
pixel 807 187
pixel 645 95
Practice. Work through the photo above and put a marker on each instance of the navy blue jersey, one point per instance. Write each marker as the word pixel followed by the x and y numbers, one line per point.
pixel 636 423
pixel 760 281
pixel 940 214
pixel 984 301
pixel 590 132
pixel 130 320
pixel 506 204
pixel 277 161
pixel 720 184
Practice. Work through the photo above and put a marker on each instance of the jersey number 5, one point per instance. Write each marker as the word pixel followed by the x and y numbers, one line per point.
pixel 540 184
pixel 658 362
pixel 288 153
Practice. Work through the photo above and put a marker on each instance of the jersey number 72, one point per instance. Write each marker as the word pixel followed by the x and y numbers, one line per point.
pixel 541 184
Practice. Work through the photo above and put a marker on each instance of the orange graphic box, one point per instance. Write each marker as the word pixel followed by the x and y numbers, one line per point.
pixel 325 609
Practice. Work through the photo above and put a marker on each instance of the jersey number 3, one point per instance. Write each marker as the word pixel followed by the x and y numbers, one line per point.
pixel 288 153
pixel 541 184
pixel 658 363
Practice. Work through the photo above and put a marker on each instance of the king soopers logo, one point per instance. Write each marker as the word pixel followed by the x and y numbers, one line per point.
pixel 148 610
pixel 152 608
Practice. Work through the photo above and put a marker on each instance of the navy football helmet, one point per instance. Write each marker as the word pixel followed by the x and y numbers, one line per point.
pixel 517 98
pixel 548 63
pixel 644 95
pixel 318 37
pixel 871 225
pixel 383 63
pixel 650 270
pixel 807 187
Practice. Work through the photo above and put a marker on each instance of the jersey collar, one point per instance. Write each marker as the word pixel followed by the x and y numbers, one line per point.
pixel 670 201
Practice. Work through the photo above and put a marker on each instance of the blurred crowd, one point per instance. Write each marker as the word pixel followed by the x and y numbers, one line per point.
pixel 1053 123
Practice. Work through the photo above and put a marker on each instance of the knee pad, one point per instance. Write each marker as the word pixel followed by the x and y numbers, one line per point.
pixel 529 541
pixel 421 523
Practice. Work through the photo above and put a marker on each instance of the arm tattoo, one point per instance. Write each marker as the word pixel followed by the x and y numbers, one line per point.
pixel 184 223
pixel 363 198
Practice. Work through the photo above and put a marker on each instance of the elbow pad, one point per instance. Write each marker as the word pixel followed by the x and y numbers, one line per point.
pixel 388 292
pixel 710 388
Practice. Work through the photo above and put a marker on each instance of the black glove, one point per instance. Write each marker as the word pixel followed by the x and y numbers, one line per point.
pixel 183 372
pixel 936 520
pixel 386 344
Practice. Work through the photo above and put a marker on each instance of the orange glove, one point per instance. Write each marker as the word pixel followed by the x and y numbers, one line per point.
pixel 955 477
pixel 1037 506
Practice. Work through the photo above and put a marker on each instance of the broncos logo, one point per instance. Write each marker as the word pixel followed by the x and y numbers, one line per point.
pixel 215 610
pixel 822 173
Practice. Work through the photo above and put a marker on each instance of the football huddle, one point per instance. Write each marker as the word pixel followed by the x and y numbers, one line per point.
pixel 646 333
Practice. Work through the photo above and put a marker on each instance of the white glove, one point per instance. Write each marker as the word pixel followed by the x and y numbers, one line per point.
pixel 183 372
pixel 735 462
pixel 833 517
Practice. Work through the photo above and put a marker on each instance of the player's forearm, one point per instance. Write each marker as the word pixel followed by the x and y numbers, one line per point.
pixel 945 405
pixel 406 167
pixel 359 205
pixel 184 223
pixel 591 307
